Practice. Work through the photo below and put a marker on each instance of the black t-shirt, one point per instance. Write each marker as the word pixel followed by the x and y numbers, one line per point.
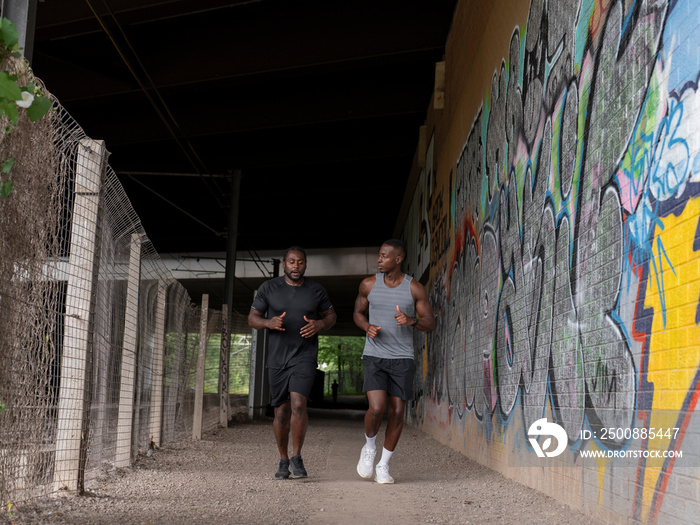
pixel 276 297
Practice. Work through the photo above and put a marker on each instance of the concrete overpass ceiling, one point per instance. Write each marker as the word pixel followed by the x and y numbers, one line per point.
pixel 319 103
pixel 339 270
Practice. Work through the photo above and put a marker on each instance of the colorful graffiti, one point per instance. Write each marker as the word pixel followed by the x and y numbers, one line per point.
pixel 574 279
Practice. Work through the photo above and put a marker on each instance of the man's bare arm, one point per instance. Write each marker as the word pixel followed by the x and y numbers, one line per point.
pixel 426 317
pixel 361 312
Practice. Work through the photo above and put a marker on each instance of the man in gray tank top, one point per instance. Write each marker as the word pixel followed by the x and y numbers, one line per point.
pixel 389 307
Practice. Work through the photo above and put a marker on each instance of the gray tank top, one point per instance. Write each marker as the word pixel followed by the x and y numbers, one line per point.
pixel 392 341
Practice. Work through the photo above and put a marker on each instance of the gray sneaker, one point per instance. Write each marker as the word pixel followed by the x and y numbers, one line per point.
pixel 298 470
pixel 283 470
pixel 365 466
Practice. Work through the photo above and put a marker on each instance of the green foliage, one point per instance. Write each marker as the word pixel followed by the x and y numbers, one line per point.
pixel 13 95
pixel 9 90
pixel 238 369
pixel 330 347
pixel 341 358
pixel 9 107
pixel 335 354
pixel 5 188
pixel 8 34
pixel 39 108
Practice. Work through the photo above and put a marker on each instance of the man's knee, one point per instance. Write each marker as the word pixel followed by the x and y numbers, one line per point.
pixel 298 404
pixel 395 415
pixel 377 411
pixel 396 409
pixel 282 413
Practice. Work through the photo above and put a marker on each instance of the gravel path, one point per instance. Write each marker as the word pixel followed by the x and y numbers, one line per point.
pixel 227 478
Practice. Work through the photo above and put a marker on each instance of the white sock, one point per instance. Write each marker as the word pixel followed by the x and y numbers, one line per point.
pixel 386 456
pixel 370 442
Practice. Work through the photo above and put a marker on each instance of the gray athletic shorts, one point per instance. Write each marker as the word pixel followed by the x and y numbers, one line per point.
pixel 394 376
pixel 295 378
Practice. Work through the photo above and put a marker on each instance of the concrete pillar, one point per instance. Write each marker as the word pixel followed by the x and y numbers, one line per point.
pixel 127 386
pixel 74 399
pixel 158 355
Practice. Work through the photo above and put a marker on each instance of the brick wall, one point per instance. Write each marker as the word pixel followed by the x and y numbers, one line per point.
pixel 554 214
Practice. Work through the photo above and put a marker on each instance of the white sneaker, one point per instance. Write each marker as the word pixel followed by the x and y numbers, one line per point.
pixel 366 464
pixel 381 474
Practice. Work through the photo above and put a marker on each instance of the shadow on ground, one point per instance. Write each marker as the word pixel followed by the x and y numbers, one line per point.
pixel 345 407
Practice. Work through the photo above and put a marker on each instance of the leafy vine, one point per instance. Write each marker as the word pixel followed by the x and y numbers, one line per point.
pixel 15 97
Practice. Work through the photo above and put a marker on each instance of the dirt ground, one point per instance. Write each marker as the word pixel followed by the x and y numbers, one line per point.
pixel 228 478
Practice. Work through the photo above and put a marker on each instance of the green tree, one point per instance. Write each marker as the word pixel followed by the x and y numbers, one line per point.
pixel 341 358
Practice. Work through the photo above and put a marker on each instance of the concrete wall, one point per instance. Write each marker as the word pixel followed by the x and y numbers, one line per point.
pixel 556 219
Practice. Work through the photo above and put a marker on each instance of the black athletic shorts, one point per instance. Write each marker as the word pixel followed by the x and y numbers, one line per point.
pixel 295 378
pixel 394 376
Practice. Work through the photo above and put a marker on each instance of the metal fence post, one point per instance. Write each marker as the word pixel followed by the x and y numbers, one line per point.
pixel 201 359
pixel 224 399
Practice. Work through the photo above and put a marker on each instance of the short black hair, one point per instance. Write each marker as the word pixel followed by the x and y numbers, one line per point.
pixel 397 243
pixel 294 249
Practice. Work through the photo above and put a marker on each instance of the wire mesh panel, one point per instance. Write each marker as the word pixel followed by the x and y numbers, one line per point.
pixel 239 360
pixel 239 372
pixel 31 301
pixel 239 354
pixel 181 343
pixel 99 342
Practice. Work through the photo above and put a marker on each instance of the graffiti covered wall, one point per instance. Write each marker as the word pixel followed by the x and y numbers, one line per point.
pixel 562 210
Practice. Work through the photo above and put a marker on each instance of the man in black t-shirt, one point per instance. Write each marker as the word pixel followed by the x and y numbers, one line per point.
pixel 297 309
